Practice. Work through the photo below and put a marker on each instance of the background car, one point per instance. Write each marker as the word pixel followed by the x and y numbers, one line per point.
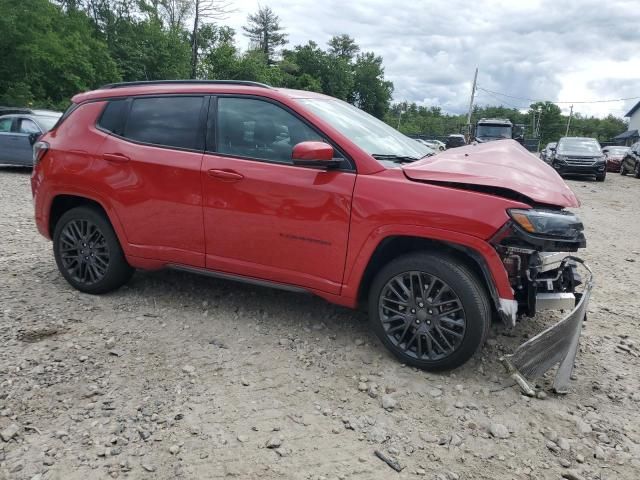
pixel 579 156
pixel 547 152
pixel 18 133
pixel 436 145
pixel 455 140
pixel 614 155
pixel 631 162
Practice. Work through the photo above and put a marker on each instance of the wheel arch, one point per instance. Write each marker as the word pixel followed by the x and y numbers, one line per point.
pixel 393 246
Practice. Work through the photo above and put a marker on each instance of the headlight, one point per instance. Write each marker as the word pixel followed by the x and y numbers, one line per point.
pixel 549 223
pixel 561 157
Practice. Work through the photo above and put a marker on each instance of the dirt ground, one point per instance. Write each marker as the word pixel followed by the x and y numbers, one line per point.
pixel 181 377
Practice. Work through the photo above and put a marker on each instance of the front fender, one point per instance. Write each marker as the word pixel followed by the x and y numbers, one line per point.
pixel 482 252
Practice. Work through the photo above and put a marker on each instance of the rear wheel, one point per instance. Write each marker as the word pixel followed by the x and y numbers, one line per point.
pixel 623 171
pixel 636 170
pixel 431 311
pixel 88 253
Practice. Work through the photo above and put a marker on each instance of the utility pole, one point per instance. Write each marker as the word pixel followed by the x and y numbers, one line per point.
pixel 537 132
pixel 473 94
pixel 569 121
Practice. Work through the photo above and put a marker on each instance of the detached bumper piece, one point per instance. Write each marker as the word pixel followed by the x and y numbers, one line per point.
pixel 557 344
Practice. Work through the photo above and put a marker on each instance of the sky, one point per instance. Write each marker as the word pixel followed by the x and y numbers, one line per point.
pixel 557 50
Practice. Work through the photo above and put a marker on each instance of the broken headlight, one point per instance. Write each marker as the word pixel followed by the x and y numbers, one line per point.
pixel 548 223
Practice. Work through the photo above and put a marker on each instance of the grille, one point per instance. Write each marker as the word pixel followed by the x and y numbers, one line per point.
pixel 580 162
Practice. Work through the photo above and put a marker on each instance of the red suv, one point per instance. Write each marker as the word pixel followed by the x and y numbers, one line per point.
pixel 305 192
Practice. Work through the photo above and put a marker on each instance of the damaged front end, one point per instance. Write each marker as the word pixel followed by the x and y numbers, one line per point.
pixel 536 248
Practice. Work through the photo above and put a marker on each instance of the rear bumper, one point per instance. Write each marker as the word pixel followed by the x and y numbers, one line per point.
pixel 558 344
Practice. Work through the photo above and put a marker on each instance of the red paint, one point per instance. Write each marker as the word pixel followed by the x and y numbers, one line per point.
pixel 504 163
pixel 296 225
pixel 312 151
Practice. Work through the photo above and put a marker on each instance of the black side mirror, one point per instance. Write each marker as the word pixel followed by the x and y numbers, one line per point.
pixel 33 138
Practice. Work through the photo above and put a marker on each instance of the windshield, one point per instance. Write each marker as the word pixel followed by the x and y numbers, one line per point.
pixel 370 134
pixel 493 131
pixel 47 122
pixel 579 145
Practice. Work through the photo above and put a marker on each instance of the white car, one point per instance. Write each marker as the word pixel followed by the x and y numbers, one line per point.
pixel 436 145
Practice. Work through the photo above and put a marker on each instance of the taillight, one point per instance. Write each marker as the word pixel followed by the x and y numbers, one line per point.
pixel 39 149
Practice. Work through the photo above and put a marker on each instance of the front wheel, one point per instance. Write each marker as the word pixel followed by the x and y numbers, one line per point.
pixel 636 170
pixel 88 253
pixel 429 310
pixel 600 178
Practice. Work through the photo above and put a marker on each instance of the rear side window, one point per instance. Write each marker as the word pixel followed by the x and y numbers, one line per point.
pixel 112 117
pixel 5 124
pixel 166 121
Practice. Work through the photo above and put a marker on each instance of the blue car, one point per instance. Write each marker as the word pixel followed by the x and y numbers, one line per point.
pixel 18 133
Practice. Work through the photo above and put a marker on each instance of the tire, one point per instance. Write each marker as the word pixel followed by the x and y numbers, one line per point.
pixel 622 169
pixel 636 170
pixel 402 337
pixel 600 178
pixel 104 267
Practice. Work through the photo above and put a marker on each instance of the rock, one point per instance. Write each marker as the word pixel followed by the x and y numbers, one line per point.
pixel 110 343
pixel 9 432
pixel 580 458
pixel 499 431
pixel 552 446
pixel 83 358
pixel 244 382
pixel 388 402
pixel 284 342
pixel 541 395
pixel 428 437
pixel 189 369
pixel 148 468
pixel 598 453
pixel 564 444
pixel 583 427
pixel 174 449
pixel 242 438
pixel 565 463
pixel 572 475
pixel 362 387
pixel 435 392
pixel 274 442
pixel 359 342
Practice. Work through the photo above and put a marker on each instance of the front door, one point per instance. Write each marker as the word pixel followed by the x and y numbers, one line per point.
pixel 264 217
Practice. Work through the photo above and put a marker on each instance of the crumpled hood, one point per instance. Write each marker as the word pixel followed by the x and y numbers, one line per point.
pixel 502 164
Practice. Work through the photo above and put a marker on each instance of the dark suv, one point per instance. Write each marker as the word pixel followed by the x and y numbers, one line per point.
pixel 580 156
pixel 631 161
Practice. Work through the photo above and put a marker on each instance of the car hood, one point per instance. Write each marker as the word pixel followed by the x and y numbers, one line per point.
pixel 504 165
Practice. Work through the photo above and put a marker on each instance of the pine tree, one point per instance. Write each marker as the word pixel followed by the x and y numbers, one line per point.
pixel 265 32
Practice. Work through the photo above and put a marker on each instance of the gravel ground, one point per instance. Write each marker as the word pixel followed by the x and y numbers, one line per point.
pixel 181 377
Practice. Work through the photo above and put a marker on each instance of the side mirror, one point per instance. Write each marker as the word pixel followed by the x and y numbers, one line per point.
pixel 314 154
pixel 33 138
pixel 553 149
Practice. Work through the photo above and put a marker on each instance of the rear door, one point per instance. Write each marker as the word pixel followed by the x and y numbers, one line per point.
pixel 25 128
pixel 6 140
pixel 265 217
pixel 151 160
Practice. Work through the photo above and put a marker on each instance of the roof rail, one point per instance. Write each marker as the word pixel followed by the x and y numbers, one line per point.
pixel 245 83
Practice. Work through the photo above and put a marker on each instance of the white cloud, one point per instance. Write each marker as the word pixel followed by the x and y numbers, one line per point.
pixel 559 50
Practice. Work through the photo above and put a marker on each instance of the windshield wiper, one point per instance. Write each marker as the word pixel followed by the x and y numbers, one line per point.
pixel 395 158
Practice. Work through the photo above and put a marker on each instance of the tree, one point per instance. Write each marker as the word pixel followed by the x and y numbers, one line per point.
pixel 265 32
pixel 204 10
pixel 344 47
pixel 372 92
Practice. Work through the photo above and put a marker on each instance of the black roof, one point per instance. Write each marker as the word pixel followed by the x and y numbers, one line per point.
pixel 633 110
pixel 13 110
pixel 627 134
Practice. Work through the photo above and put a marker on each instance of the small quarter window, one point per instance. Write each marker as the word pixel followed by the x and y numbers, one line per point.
pixel 112 116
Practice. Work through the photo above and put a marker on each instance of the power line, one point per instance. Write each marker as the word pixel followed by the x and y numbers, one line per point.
pixel 504 102
pixel 567 102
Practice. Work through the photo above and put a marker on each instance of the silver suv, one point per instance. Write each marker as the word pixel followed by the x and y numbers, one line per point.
pixel 18 133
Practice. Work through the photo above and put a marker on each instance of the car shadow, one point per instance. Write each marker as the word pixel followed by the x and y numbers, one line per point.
pixel 15 169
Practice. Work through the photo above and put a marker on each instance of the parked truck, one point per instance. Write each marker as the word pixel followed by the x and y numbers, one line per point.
pixel 491 129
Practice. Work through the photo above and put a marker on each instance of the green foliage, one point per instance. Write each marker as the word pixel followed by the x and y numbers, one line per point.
pixel 265 32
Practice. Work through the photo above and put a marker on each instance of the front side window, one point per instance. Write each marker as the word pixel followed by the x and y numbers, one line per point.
pixel 5 124
pixel 166 121
pixel 253 128
pixel 28 126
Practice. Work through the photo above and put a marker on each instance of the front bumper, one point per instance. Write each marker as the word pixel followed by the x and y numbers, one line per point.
pixel 557 344
pixel 566 169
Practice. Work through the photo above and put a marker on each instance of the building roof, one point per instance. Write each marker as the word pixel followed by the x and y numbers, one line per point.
pixel 627 134
pixel 633 110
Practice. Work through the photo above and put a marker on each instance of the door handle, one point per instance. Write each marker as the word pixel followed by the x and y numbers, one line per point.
pixel 115 157
pixel 225 175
